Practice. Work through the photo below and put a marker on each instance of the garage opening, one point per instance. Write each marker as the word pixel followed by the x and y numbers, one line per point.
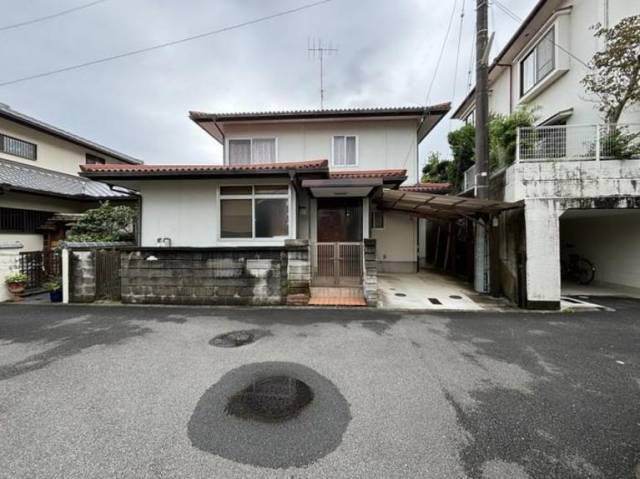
pixel 598 252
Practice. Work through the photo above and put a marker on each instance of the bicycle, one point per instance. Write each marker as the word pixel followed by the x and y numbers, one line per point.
pixel 577 268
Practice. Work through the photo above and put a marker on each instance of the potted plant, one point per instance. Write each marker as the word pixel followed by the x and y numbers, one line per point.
pixel 16 282
pixel 54 286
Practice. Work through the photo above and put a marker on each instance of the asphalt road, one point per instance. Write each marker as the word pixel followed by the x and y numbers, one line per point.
pixel 89 391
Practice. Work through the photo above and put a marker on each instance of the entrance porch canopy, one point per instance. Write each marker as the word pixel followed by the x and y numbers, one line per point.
pixel 440 207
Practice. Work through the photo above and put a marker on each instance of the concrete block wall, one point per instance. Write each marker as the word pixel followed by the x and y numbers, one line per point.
pixel 224 276
pixel 9 255
pixel 370 279
pixel 82 266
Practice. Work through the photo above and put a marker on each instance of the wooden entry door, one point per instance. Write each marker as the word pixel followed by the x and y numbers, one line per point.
pixel 339 220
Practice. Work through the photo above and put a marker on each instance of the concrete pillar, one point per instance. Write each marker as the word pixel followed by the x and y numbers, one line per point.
pixel 298 272
pixel 370 274
pixel 542 226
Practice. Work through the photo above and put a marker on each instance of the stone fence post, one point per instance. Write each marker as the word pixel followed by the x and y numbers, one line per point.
pixel 298 272
pixel 9 262
pixel 370 276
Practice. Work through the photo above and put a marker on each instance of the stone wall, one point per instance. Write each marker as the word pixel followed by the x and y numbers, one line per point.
pixel 82 272
pixel 9 254
pixel 221 276
pixel 370 280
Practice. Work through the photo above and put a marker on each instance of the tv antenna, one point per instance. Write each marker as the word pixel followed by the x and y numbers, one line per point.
pixel 316 49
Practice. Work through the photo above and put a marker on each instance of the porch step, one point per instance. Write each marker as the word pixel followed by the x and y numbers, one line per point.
pixel 336 296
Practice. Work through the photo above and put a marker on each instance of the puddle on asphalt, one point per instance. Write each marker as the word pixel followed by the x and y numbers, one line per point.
pixel 236 339
pixel 271 414
pixel 273 399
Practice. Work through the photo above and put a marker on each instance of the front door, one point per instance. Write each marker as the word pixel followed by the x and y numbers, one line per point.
pixel 339 220
pixel 338 251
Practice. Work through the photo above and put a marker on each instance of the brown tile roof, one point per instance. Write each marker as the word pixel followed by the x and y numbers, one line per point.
pixel 123 170
pixel 369 174
pixel 428 187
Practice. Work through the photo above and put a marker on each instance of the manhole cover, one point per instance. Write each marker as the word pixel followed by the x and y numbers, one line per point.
pixel 402 295
pixel 275 398
pixel 234 339
pixel 455 296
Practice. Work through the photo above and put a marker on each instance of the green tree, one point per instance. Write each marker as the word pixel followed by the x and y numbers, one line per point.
pixel 503 131
pixel 437 170
pixel 105 223
pixel 614 75
pixel 462 144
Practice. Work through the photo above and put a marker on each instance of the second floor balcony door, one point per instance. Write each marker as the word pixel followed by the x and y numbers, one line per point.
pixel 339 220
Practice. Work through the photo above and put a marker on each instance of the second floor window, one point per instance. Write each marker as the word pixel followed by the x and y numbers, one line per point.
pixel 345 151
pixel 16 147
pixel 538 63
pixel 253 150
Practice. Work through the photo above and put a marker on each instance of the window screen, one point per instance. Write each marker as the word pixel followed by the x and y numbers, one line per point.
pixel 236 219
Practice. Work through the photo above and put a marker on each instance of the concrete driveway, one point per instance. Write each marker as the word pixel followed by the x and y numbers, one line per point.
pixel 140 392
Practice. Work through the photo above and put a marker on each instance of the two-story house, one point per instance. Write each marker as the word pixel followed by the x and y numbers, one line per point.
pixel 39 179
pixel 579 189
pixel 290 175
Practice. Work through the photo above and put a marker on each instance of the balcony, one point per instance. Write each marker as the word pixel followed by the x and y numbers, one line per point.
pixel 578 143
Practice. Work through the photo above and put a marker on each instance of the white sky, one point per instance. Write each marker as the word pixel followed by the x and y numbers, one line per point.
pixel 139 105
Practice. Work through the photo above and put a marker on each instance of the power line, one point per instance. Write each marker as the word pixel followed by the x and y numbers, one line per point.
pixel 515 17
pixel 166 44
pixel 455 70
pixel 425 113
pixel 49 17
pixel 444 43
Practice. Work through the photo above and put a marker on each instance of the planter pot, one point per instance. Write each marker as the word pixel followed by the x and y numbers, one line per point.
pixel 16 288
pixel 55 296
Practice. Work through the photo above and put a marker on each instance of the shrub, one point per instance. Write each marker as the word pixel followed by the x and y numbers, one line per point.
pixel 15 277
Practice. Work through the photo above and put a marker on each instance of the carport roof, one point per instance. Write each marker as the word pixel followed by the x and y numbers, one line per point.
pixel 443 207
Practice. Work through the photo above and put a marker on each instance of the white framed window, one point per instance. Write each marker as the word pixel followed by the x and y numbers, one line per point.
pixel 344 150
pixel 246 151
pixel 254 211
pixel 538 63
pixel 377 220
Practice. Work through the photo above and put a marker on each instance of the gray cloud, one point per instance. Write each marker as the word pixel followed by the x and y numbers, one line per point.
pixel 139 105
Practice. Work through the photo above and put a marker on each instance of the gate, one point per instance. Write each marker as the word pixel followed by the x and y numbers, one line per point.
pixel 40 267
pixel 108 274
pixel 337 264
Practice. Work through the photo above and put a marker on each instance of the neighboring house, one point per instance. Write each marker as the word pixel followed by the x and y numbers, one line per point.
pixel 290 175
pixel 580 194
pixel 41 192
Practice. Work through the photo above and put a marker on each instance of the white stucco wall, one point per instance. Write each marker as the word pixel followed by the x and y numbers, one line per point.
pixel 397 243
pixel 30 242
pixel 382 144
pixel 187 212
pixel 573 33
pixel 53 153
pixel 610 240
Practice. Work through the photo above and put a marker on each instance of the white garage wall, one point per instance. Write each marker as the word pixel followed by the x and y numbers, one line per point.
pixel 397 244
pixel 610 241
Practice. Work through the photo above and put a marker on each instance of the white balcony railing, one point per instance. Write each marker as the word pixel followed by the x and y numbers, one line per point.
pixel 469 179
pixel 578 143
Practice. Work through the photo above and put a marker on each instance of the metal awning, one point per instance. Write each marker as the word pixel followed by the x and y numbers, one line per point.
pixel 441 207
pixel 342 186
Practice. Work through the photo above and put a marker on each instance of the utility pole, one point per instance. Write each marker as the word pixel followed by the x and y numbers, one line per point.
pixel 482 279
pixel 318 51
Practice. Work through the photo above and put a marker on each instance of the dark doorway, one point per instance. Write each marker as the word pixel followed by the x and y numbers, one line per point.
pixel 339 220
